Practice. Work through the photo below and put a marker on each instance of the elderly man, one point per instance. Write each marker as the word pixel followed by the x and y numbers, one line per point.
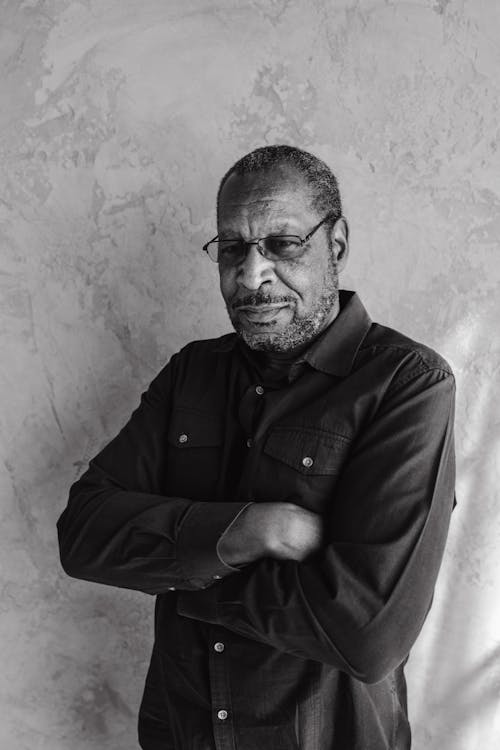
pixel 284 490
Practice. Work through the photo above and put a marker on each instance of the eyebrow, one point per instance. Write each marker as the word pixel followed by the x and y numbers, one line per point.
pixel 284 229
pixel 278 230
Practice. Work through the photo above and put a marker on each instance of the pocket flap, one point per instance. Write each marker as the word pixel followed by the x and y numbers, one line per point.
pixel 193 429
pixel 308 450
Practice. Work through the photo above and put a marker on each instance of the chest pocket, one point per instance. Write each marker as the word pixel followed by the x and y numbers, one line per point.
pixel 194 441
pixel 306 464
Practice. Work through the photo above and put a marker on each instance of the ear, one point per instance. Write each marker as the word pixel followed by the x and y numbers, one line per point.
pixel 340 242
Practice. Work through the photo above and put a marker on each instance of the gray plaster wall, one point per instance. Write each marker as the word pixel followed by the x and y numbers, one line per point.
pixel 117 118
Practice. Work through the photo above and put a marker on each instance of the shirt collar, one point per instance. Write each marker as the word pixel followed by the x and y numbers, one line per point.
pixel 334 351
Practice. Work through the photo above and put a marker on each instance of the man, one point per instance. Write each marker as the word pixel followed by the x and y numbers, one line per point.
pixel 285 490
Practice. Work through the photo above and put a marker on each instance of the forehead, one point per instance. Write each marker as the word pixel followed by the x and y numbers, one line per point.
pixel 278 193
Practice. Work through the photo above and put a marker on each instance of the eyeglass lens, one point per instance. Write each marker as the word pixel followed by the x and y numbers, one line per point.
pixel 280 247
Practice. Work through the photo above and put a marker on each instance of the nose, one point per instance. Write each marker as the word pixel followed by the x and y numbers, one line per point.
pixel 255 269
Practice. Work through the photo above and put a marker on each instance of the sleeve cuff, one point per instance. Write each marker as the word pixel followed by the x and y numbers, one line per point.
pixel 198 538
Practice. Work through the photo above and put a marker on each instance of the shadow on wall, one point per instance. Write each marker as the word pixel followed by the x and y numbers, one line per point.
pixel 463 695
pixel 476 694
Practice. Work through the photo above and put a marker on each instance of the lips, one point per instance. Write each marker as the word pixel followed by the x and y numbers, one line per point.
pixel 261 313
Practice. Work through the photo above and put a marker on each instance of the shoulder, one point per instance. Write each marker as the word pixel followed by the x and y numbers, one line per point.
pixel 406 357
pixel 194 365
pixel 387 339
pixel 196 358
pixel 208 348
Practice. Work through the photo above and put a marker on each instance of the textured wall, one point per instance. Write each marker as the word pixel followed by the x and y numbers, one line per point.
pixel 117 118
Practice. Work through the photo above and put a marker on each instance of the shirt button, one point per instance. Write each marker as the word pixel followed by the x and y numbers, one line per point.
pixel 183 438
pixel 259 390
pixel 219 647
pixel 307 461
pixel 222 715
pixel 249 443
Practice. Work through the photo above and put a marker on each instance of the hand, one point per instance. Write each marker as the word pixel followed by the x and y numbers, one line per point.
pixel 284 531
pixel 293 532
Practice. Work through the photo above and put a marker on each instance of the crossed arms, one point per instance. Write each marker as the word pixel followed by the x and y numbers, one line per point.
pixel 351 589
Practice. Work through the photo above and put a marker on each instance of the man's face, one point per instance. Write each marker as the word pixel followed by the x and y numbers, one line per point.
pixel 278 305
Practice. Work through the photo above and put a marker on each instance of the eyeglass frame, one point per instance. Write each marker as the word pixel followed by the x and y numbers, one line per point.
pixel 257 241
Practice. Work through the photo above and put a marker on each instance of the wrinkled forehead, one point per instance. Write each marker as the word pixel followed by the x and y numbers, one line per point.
pixel 278 190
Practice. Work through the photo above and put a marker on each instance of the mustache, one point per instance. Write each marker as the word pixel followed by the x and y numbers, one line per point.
pixel 253 300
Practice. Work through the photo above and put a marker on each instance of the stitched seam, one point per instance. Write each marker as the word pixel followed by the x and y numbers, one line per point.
pixel 414 374
pixel 406 350
pixel 312 431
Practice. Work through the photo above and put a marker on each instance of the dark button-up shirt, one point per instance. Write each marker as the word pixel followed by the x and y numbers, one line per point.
pixel 279 654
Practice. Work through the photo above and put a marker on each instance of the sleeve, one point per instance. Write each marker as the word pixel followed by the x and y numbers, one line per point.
pixel 360 602
pixel 120 529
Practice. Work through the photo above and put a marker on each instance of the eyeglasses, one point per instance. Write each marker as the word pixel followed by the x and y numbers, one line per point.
pixel 275 247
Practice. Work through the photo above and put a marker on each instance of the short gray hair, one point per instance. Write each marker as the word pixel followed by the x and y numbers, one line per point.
pixel 318 175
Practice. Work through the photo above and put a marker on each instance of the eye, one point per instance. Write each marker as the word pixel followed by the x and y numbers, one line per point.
pixel 227 248
pixel 230 251
pixel 283 246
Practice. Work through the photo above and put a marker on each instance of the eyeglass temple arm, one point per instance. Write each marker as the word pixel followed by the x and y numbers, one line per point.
pixel 315 229
pixel 205 246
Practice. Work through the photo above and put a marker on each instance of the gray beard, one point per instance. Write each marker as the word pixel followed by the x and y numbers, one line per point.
pixel 301 330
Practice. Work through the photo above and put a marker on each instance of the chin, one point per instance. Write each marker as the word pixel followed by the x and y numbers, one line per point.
pixel 260 343
pixel 269 342
pixel 264 340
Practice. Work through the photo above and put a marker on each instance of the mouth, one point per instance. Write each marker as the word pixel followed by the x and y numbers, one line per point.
pixel 261 314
